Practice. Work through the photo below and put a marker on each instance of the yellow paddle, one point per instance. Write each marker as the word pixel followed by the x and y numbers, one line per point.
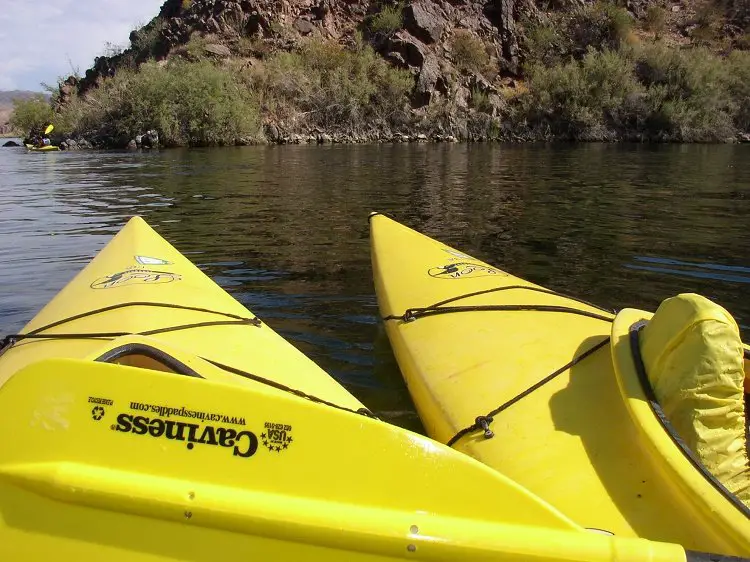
pixel 49 128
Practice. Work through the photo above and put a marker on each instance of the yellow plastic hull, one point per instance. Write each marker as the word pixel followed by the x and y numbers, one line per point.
pixel 132 434
pixel 48 148
pixel 572 440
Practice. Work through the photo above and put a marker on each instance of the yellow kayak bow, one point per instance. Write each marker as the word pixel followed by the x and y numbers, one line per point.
pixel 542 387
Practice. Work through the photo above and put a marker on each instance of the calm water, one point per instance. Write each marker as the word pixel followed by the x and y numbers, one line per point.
pixel 284 229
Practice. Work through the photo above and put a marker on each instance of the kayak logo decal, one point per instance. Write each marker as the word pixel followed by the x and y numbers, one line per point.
pixel 244 443
pixel 148 260
pixel 277 437
pixel 135 276
pixel 463 270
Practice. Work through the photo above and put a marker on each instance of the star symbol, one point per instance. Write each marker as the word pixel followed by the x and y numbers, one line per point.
pixel 265 443
pixel 285 445
pixel 289 439
pixel 262 435
pixel 278 449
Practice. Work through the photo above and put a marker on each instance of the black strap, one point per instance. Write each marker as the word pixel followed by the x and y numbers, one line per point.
pixel 483 422
pixel 412 314
pixel 519 287
pixel 8 341
pixel 136 303
pixel 362 411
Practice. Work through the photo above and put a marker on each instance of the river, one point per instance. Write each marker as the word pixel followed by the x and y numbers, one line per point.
pixel 284 228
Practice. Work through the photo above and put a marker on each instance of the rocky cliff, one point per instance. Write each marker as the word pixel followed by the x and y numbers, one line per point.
pixel 469 52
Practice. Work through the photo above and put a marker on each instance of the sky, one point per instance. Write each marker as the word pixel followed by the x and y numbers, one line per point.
pixel 43 41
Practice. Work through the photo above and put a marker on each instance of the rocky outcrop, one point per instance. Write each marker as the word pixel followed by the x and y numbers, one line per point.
pixel 423 40
pixel 425 20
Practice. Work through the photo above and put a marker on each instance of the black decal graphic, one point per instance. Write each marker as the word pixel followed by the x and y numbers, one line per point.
pixel 134 276
pixel 463 269
pixel 277 436
pixel 251 443
pixel 244 444
pixel 102 401
pixel 97 413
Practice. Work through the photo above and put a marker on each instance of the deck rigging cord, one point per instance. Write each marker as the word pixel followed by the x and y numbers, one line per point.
pixel 10 340
pixel 483 422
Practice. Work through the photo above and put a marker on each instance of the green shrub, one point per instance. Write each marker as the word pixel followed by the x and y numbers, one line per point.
pixel 707 22
pixel 738 83
pixel 195 48
pixel 145 41
pixel 688 91
pixel 544 45
pixel 654 92
pixel 388 20
pixel 469 52
pixel 601 26
pixel 334 86
pixel 30 113
pixel 188 103
pixel 656 18
pixel 480 100
pixel 562 35
pixel 582 100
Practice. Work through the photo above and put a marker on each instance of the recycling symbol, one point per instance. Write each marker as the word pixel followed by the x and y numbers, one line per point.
pixel 97 413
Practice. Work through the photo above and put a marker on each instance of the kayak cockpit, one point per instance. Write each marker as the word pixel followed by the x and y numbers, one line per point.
pixel 145 356
pixel 681 378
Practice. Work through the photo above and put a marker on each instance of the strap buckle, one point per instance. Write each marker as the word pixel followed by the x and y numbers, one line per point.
pixel 483 423
pixel 6 343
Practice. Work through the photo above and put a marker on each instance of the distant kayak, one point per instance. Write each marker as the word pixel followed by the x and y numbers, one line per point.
pixel 49 148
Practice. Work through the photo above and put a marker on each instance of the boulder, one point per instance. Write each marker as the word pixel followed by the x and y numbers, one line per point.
pixel 69 144
pixel 148 140
pixel 304 27
pixel 272 132
pixel 217 50
pixel 212 26
pixel 411 50
pixel 10 143
pixel 425 20
pixel 429 80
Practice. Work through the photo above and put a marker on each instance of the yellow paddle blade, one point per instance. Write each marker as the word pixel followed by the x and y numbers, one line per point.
pixel 49 128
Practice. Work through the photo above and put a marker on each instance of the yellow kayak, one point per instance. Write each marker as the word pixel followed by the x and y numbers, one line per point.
pixel 146 415
pixel 523 379
pixel 48 148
